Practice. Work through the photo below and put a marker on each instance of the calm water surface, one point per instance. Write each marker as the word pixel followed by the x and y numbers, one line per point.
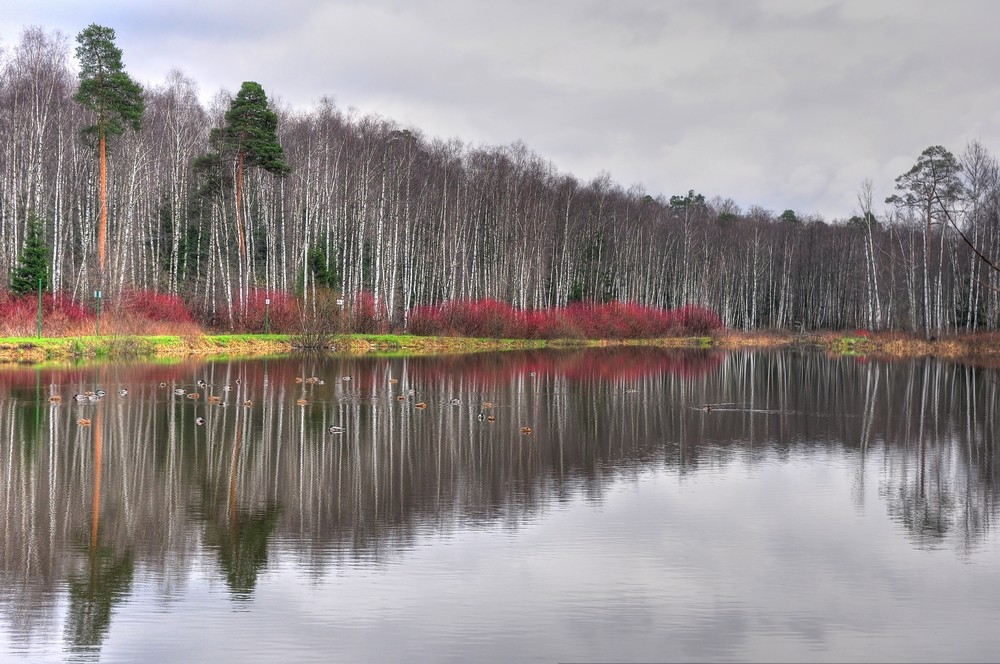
pixel 664 506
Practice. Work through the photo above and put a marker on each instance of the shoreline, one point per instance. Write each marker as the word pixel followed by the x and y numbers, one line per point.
pixel 31 351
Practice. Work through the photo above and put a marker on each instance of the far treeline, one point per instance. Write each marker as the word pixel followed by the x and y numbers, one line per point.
pixel 127 187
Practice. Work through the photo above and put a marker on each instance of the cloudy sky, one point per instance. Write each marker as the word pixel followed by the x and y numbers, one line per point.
pixel 784 104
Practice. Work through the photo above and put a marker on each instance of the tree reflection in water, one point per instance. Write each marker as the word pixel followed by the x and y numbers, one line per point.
pixel 249 479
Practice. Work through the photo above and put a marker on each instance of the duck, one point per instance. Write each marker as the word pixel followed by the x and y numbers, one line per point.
pixel 401 398
pixel 199 420
pixel 481 417
pixel 163 384
pixel 179 391
pixel 420 405
pixel 83 421
pixel 456 402
pixel 122 392
pixel 93 397
pixel 201 383
pixel 301 402
pixel 393 381
pixel 346 378
pixel 214 399
pixel 226 388
pixel 708 408
pixel 335 429
pixel 490 418
pixel 80 397
pixel 101 393
pixel 248 403
pixel 487 404
pixel 193 395
pixel 298 380
pixel 527 431
pixel 55 398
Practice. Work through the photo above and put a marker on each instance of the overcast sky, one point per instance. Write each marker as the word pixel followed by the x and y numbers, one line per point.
pixel 784 104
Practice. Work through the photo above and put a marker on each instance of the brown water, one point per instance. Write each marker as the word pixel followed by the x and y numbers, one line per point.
pixel 822 509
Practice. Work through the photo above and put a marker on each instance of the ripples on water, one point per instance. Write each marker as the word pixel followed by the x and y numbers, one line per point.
pixel 664 506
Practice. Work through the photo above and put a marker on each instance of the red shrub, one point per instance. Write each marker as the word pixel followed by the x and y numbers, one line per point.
pixel 154 306
pixel 613 320
pixel 60 314
pixel 367 316
pixel 282 314
pixel 698 320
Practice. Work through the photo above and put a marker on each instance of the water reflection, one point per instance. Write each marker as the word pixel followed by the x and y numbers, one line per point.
pixel 250 467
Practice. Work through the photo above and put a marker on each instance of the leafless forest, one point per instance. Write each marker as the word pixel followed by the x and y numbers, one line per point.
pixel 371 206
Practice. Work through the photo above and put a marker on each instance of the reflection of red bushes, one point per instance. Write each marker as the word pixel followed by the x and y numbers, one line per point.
pixel 613 320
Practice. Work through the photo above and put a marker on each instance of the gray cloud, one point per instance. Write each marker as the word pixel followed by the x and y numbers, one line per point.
pixel 787 103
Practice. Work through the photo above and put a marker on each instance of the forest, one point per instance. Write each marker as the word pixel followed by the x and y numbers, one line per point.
pixel 348 204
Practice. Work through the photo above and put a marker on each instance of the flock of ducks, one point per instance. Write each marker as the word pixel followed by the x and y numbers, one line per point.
pixel 97 395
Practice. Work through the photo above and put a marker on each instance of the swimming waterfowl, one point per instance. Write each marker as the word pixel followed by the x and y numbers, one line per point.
pixel 199 420
pixel 526 431
pixel 336 429
pixel 490 418
pixel 193 395
pixel 481 417
pixel 101 393
pixel 298 379
pixel 80 397
pixel 122 392
pixel 420 405
pixel 487 404
pixel 55 398
pixel 248 403
pixel 214 399
pixel 346 378
pixel 84 422
pixel 456 402
pixel 179 390
pixel 301 402
pixel 393 381
pixel 201 383
pixel 401 398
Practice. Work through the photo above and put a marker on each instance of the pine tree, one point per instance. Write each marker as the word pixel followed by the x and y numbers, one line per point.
pixel 114 98
pixel 250 139
pixel 33 263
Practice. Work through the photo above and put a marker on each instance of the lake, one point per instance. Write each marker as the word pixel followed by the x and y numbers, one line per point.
pixel 619 504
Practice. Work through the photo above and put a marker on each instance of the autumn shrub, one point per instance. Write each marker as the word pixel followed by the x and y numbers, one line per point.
pixel 153 306
pixel 587 320
pixel 60 315
pixel 281 316
pixel 367 315
pixel 697 320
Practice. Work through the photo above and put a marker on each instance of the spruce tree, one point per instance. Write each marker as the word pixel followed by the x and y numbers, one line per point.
pixel 33 263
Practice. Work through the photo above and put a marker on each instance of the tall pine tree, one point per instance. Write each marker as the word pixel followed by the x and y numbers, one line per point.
pixel 114 98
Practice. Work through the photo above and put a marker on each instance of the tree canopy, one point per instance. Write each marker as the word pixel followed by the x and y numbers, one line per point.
pixel 105 88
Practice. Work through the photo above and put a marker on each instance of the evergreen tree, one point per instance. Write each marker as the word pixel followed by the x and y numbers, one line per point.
pixel 33 263
pixel 114 98
pixel 250 139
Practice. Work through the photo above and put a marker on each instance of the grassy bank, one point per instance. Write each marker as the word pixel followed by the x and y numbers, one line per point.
pixel 68 349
